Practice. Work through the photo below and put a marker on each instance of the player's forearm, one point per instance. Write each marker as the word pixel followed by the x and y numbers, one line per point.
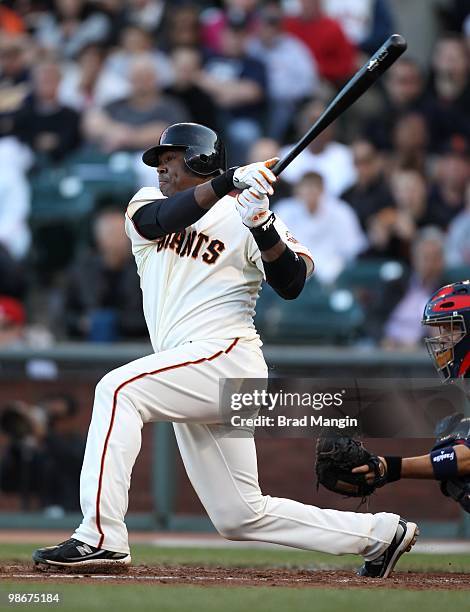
pixel 417 467
pixel 421 466
pixel 209 193
pixel 179 211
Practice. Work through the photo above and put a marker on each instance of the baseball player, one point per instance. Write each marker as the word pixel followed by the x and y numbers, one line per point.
pixel 202 254
pixel 448 313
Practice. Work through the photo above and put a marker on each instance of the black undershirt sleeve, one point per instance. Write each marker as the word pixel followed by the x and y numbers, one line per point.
pixel 168 215
pixel 174 214
pixel 286 274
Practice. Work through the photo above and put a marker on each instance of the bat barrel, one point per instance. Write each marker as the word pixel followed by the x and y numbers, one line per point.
pixel 382 59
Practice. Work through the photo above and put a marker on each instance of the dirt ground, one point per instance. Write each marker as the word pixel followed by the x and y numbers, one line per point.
pixel 218 576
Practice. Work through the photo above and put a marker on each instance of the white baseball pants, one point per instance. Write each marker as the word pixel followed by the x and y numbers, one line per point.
pixel 182 385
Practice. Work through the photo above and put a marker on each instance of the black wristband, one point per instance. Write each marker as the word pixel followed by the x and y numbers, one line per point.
pixel 223 184
pixel 393 468
pixel 266 235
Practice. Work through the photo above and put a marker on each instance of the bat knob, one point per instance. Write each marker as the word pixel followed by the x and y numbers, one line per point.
pixel 398 41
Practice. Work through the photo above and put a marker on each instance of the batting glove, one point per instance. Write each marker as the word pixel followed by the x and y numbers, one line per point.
pixel 253 207
pixel 258 176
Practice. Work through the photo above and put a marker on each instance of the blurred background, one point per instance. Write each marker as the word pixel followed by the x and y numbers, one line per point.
pixel 381 198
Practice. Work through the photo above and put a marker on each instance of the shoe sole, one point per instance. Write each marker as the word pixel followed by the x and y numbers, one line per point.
pixel 409 540
pixel 96 562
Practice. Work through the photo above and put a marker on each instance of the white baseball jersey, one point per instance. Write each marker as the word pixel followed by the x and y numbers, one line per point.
pixel 203 282
pixel 201 285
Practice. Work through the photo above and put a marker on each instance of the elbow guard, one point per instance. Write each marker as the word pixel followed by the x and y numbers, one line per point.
pixel 286 274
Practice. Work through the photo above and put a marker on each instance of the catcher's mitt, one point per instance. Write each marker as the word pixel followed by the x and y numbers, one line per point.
pixel 336 456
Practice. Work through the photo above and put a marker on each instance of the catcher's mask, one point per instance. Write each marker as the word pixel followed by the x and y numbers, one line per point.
pixel 204 151
pixel 448 313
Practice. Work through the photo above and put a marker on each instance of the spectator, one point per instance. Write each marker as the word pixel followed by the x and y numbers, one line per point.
pixel 267 148
pixel 86 84
pixel 452 172
pixel 370 193
pixel 102 300
pixel 458 238
pixel 421 24
pixel 404 93
pixel 15 81
pixel 136 122
pixel 291 70
pixel 367 23
pixel 391 231
pixel 10 22
pixel 456 13
pixel 324 224
pixel 44 454
pixel 73 25
pixel 237 84
pixel 48 127
pixel 147 14
pixel 15 332
pixel 450 90
pixel 64 449
pixel 15 197
pixel 21 465
pixel 187 67
pixel 466 32
pixel 183 28
pixel 335 55
pixel 410 139
pixel 404 300
pixel 134 43
pixel 12 322
pixel 214 22
pixel 331 159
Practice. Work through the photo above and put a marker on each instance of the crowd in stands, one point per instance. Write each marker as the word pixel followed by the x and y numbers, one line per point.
pixel 86 86
pixel 42 454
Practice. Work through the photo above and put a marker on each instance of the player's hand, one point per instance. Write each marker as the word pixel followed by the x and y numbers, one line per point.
pixel 258 176
pixel 369 474
pixel 253 207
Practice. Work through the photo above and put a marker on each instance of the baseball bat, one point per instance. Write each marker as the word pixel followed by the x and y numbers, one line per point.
pixel 388 53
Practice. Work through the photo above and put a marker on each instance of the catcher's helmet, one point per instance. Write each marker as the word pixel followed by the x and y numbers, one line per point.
pixel 204 150
pixel 448 310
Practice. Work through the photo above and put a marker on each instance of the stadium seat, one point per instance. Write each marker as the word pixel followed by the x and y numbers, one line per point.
pixel 70 191
pixel 455 274
pixel 104 175
pixel 56 196
pixel 366 278
pixel 317 316
pixel 367 273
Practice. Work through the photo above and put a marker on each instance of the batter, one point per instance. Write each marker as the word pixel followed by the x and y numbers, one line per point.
pixel 201 255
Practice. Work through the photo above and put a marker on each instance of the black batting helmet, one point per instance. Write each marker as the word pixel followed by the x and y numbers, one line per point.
pixel 204 151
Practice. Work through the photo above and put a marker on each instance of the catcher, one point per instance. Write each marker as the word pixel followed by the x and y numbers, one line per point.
pixel 346 467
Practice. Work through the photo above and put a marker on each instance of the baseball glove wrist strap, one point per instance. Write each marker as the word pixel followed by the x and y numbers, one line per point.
pixel 223 184
pixel 393 468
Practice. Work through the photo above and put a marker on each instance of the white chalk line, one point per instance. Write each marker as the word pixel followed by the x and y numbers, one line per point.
pixel 159 578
